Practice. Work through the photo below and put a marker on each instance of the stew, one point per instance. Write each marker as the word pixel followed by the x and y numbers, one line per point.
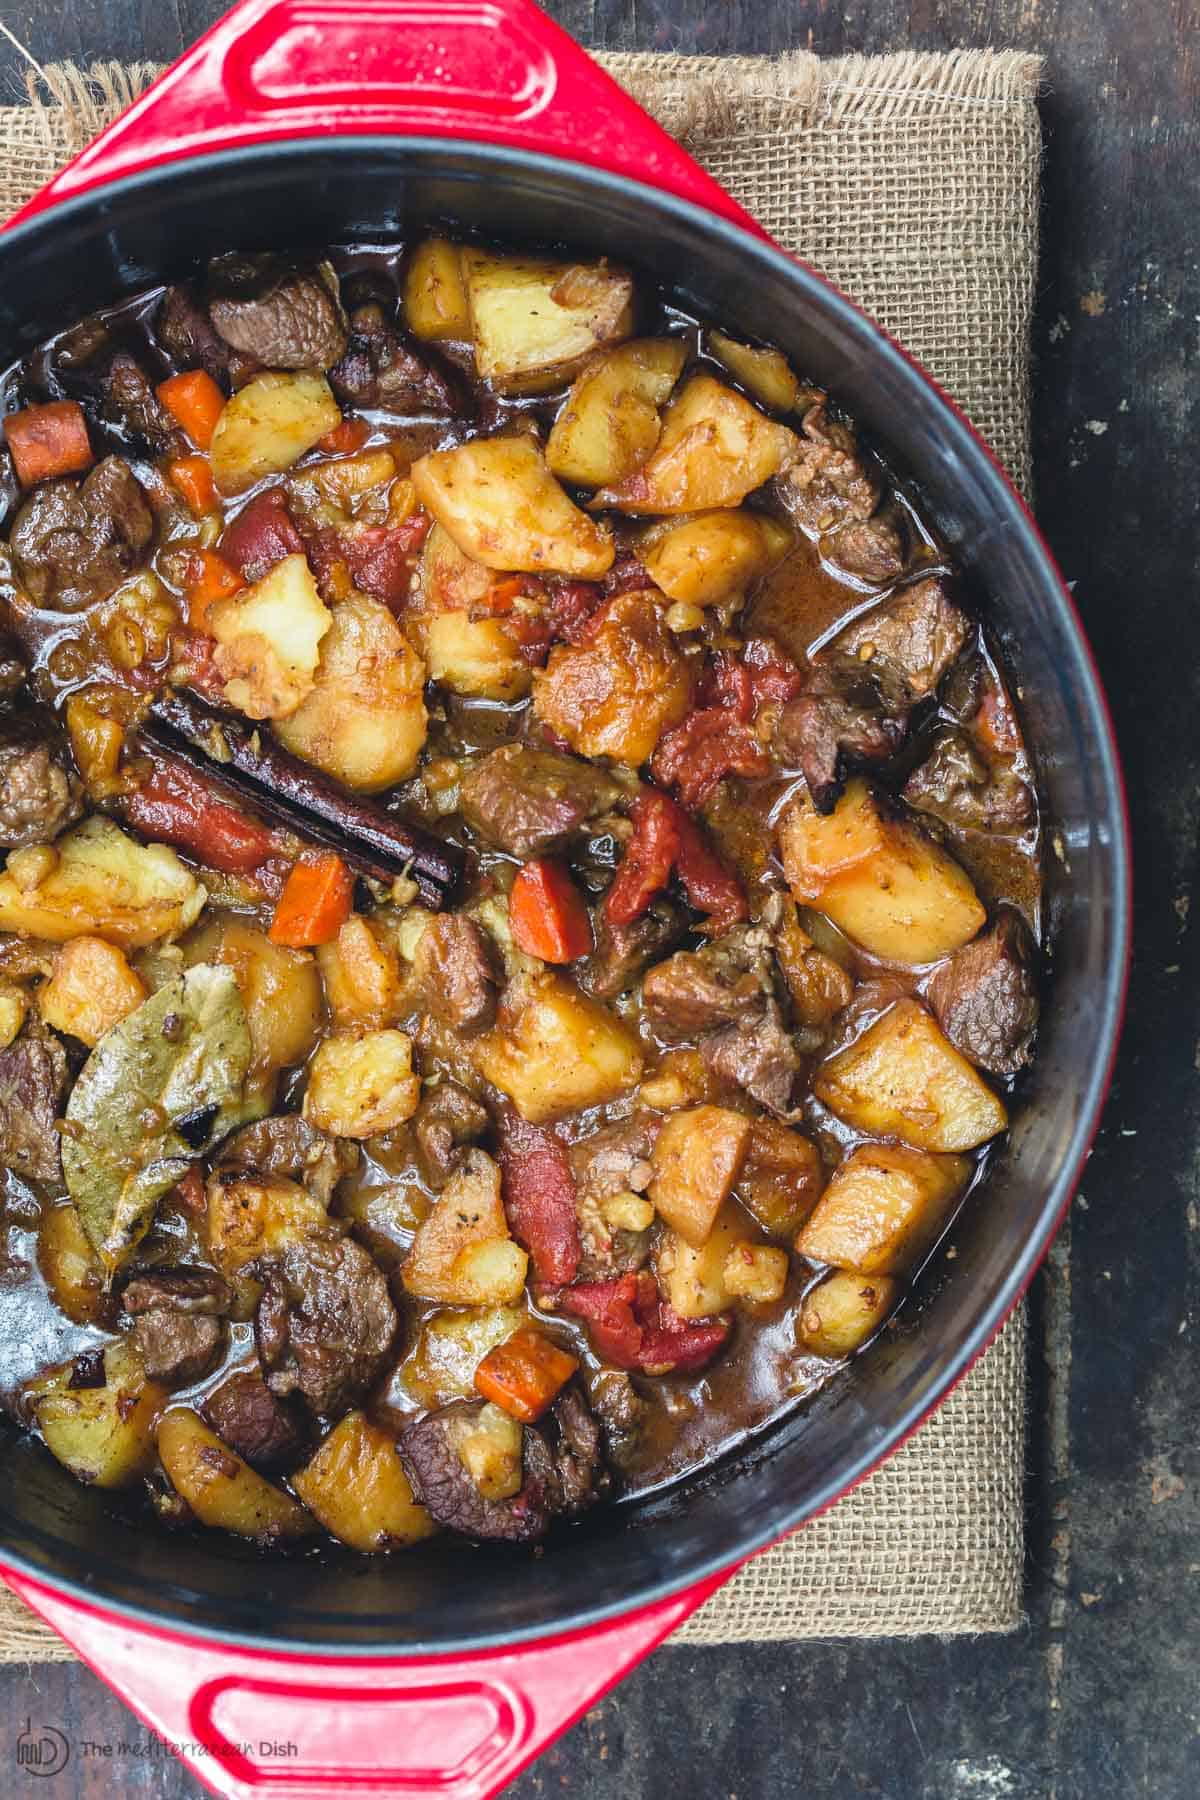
pixel 519 923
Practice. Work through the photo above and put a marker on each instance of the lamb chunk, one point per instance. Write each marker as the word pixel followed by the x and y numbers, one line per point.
pixel 128 405
pixel 287 1148
pixel 529 801
pixel 581 1474
pixel 829 481
pixel 177 1348
pixel 959 786
pixel 186 333
pixel 759 1056
pixel 193 1292
pixel 456 971
pixel 325 1323
pixel 40 794
pixel 872 550
pixel 619 1405
pixel 33 1074
pixel 623 953
pixel 985 997
pixel 694 991
pixel 75 542
pixel 831 722
pixel 382 371
pixel 907 644
pixel 267 1432
pixel 446 1120
pixel 285 318
pixel 614 1160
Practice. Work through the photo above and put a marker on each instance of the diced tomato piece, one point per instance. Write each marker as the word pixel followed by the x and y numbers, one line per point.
pixel 380 558
pixel 539 1197
pixel 649 858
pixel 176 806
pixel 696 756
pixel 346 438
pixel 571 606
pixel 316 901
pixel 683 1343
pixel 708 884
pixel 774 676
pixel 195 402
pixel 607 1306
pixel 547 913
pixel 726 683
pixel 48 440
pixel 262 535
pixel 524 1375
pixel 631 1325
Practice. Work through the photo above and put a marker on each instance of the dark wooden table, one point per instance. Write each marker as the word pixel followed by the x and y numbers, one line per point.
pixel 1095 1699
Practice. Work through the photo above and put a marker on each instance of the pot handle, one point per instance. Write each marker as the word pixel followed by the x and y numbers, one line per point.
pixel 426 1728
pixel 494 71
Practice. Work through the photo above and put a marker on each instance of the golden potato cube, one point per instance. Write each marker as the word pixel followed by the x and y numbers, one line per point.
pixel 435 294
pixel 491 1448
pixel 356 1487
pixel 248 1219
pixel 763 373
pixel 696 1160
pixel 781 1177
pixel 463 1255
pixel 882 880
pixel 106 883
pixel 559 1052
pixel 615 695
pixel 268 425
pixel 70 1267
pixel 703 560
pixel 608 424
pixel 534 320
pixel 902 1078
pixel 221 1489
pixel 280 989
pixel 715 448
pixel 756 1273
pixel 268 640
pixel 442 1363
pixel 844 1311
pixel 693 1276
pixel 499 502
pixel 476 657
pixel 92 989
pixel 360 975
pixel 361 1083
pixel 14 1006
pixel 104 1435
pixel 883 1209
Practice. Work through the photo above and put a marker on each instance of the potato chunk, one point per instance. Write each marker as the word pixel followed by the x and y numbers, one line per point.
pixel 220 1488
pixel 269 640
pixel 705 559
pixel 441 1365
pixel 902 1078
pixel 616 695
pixel 781 1177
pixel 693 1276
pixel 609 422
pixel 91 990
pixel 534 320
pixel 463 1255
pixel 844 1311
pixel 103 1435
pixel 108 884
pixel 756 1273
pixel 268 425
pixel 715 449
pixel 556 1051
pixel 361 976
pixel 280 989
pixel 500 503
pixel 435 294
pixel 70 1267
pixel 696 1161
pixel 763 373
pixel 355 1485
pixel 248 1219
pixel 883 1209
pixel 362 1083
pixel 364 722
pixel 881 880
pixel 466 649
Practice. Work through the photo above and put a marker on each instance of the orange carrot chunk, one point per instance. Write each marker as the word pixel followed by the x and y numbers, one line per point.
pixel 523 1376
pixel 547 915
pixel 48 440
pixel 210 578
pixel 315 903
pixel 345 438
pixel 192 477
pixel 195 402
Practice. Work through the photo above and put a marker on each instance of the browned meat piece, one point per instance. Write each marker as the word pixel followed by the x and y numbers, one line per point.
pixel 325 1322
pixel 623 953
pixel 288 1148
pixel 565 1479
pixel 906 644
pixel 455 968
pixel 74 542
pixel 614 1160
pixel 186 333
pixel 267 1432
pixel 12 669
pixel 40 793
pixel 759 1056
pixel 529 801
pixel 380 370
pixel 286 318
pixel 446 1120
pixel 175 1347
pixel 695 991
pixel 870 549
pixel 33 1073
pixel 833 721
pixel 829 481
pixel 182 1290
pixel 985 998
pixel 129 406
pixel 617 1402
pixel 957 785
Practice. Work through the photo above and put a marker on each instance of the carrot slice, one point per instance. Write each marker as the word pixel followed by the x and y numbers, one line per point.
pixel 195 402
pixel 48 440
pixel 524 1375
pixel 345 438
pixel 547 915
pixel 192 477
pixel 210 578
pixel 315 903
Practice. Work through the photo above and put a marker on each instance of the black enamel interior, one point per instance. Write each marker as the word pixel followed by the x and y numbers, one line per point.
pixel 445 1597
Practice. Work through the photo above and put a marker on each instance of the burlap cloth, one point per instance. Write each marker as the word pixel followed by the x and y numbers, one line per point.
pixel 912 180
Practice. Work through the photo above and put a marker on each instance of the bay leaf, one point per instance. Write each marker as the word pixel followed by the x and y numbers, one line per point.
pixel 158 1091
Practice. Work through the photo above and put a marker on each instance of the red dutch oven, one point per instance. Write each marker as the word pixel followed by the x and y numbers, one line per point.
pixel 443 1671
